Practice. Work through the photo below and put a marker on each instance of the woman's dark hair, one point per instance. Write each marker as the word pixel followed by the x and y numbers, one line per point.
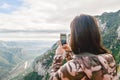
pixel 85 36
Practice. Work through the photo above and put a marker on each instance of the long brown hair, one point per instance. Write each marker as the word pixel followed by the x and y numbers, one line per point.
pixel 85 35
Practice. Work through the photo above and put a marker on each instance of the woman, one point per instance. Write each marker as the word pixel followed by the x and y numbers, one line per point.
pixel 90 60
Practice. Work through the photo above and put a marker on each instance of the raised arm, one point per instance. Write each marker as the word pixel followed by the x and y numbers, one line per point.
pixel 59 57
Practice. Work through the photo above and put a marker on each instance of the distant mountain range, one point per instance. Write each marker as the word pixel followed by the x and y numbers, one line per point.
pixel 17 54
pixel 33 31
pixel 109 24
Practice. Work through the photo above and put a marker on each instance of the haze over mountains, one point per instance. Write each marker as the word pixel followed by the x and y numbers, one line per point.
pixel 17 54
pixel 51 35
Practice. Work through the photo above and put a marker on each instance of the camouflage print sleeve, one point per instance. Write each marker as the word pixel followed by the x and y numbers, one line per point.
pixel 68 56
pixel 100 67
pixel 57 63
pixel 58 59
pixel 68 72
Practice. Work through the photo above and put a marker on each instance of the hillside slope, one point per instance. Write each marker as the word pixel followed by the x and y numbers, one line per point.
pixel 41 65
pixel 15 55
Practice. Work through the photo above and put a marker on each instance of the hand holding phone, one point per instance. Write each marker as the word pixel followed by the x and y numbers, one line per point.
pixel 63 39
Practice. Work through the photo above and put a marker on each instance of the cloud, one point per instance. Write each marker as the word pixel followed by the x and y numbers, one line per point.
pixel 49 15
pixel 53 14
pixel 32 15
pixel 5 6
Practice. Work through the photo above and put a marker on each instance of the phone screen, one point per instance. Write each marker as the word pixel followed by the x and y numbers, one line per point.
pixel 63 38
pixel 68 38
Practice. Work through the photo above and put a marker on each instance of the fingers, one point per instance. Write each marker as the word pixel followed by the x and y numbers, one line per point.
pixel 66 47
pixel 60 44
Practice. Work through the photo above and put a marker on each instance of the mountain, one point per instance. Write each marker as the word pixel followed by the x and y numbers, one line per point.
pixel 8 59
pixel 17 56
pixel 41 65
pixel 110 33
pixel 109 24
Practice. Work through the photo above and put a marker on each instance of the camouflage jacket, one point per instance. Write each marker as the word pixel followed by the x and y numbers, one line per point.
pixel 85 67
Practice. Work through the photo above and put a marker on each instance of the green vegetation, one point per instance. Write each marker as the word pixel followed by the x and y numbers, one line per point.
pixel 33 76
pixel 109 35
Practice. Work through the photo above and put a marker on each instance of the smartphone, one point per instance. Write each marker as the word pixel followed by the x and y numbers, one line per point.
pixel 68 38
pixel 63 38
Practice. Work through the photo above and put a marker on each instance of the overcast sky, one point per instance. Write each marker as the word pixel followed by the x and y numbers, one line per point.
pixel 49 14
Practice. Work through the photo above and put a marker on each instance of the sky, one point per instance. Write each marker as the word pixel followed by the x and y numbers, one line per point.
pixel 47 15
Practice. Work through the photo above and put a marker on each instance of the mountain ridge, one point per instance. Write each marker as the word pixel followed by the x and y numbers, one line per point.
pixel 13 55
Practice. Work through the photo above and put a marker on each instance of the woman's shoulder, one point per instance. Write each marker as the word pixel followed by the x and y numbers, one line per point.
pixel 90 64
pixel 89 60
pixel 87 65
